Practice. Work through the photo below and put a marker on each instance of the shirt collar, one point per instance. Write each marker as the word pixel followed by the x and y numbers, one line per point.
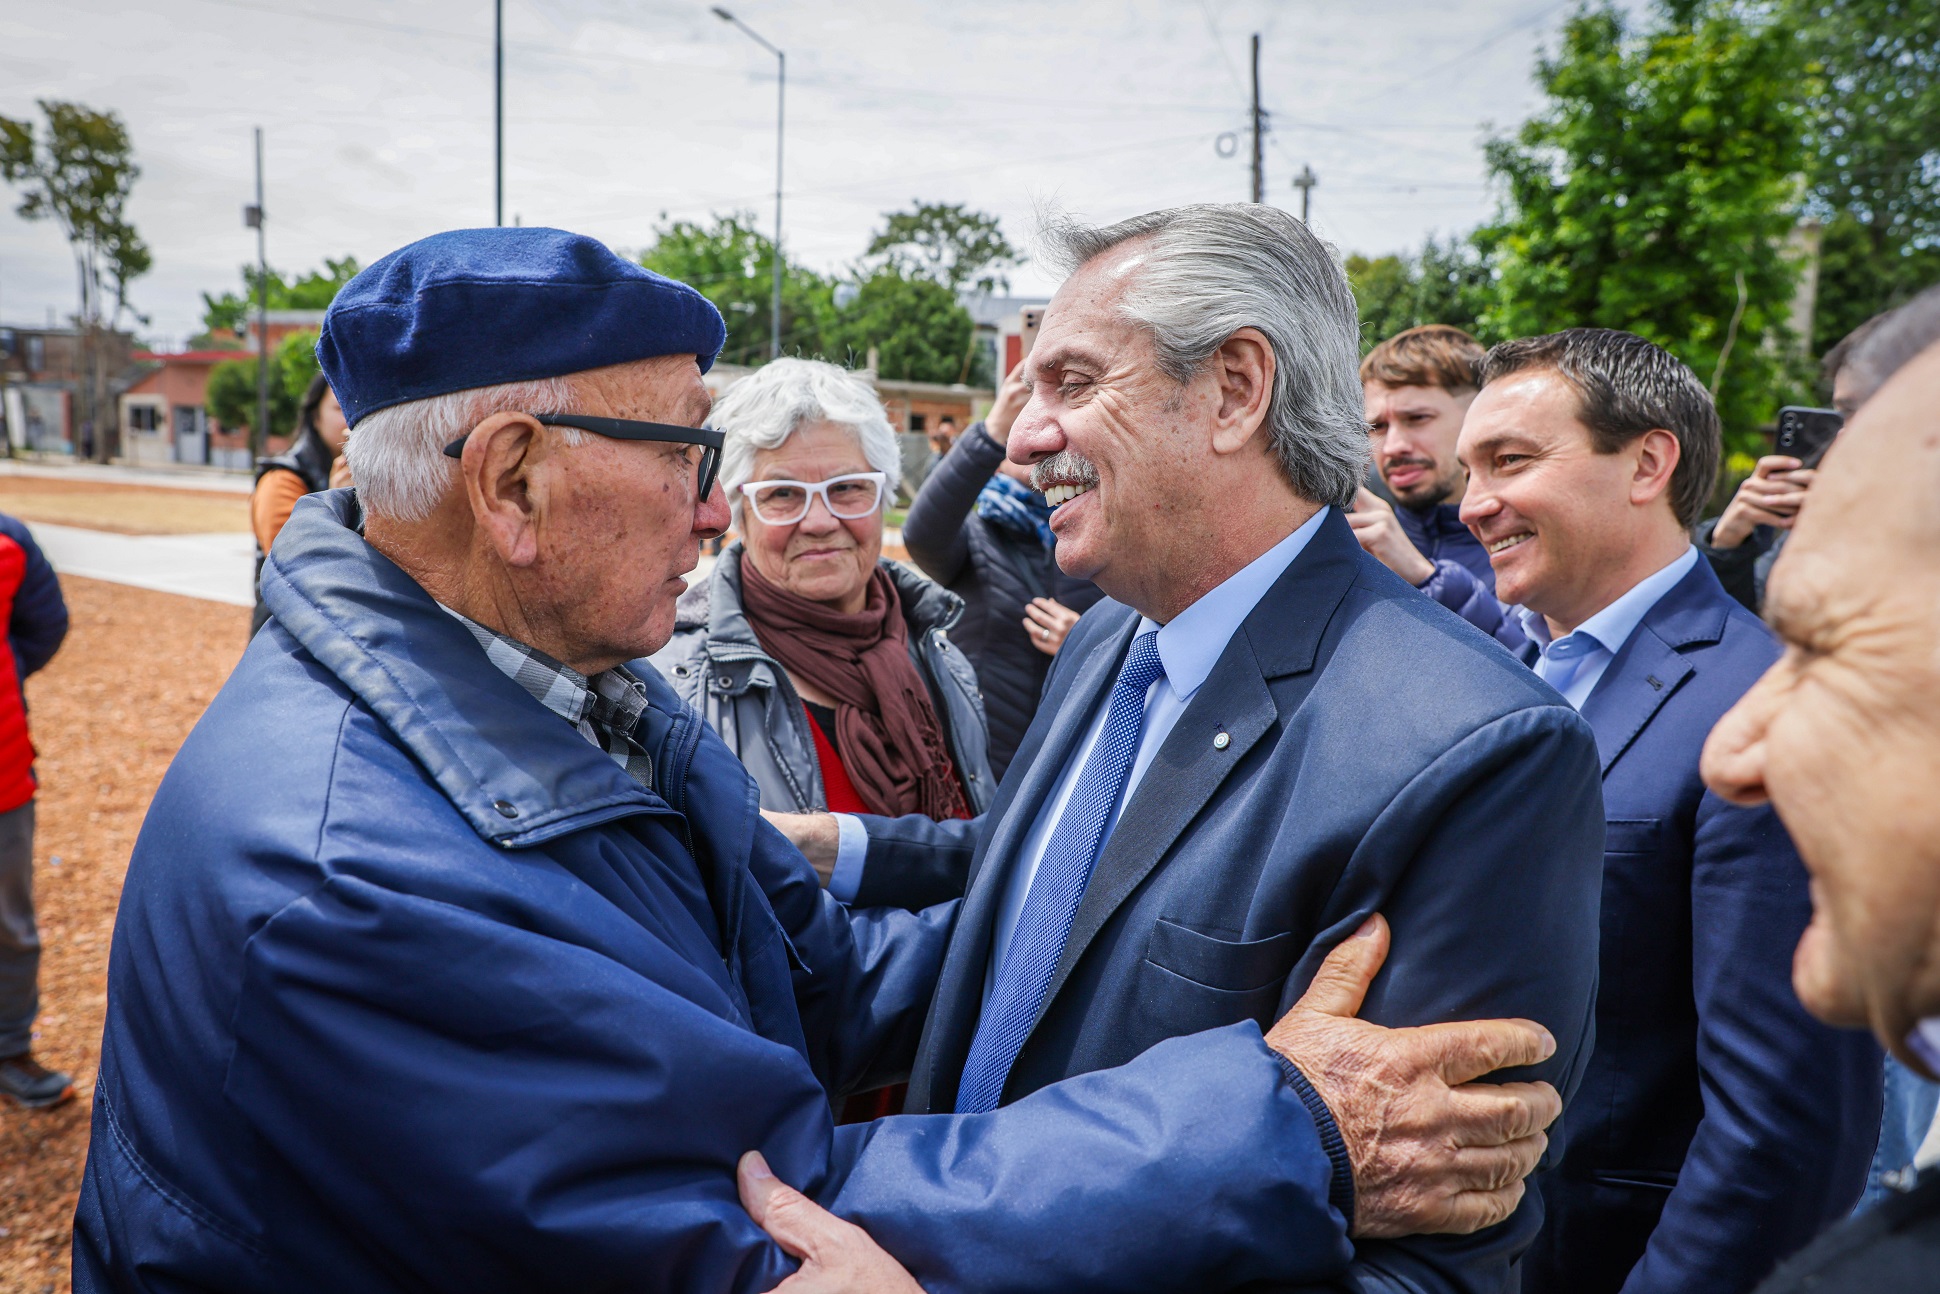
pixel 1612 626
pixel 610 702
pixel 1191 644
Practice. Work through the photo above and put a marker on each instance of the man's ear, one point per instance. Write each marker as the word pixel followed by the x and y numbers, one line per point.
pixel 1657 456
pixel 497 465
pixel 1244 367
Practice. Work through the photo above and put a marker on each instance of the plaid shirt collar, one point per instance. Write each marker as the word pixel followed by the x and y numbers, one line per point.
pixel 604 708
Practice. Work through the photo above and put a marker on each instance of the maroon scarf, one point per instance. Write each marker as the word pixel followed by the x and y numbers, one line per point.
pixel 885 726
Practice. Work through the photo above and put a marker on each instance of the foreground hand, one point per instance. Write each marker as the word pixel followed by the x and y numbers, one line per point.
pixel 1012 396
pixel 815 834
pixel 1048 621
pixel 1380 532
pixel 1770 496
pixel 1432 1150
pixel 837 1257
pixel 340 472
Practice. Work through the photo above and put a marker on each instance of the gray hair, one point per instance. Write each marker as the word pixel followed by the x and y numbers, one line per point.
pixel 397 454
pixel 1894 338
pixel 762 410
pixel 1215 268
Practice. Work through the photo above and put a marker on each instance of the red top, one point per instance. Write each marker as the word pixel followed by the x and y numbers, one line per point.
pixel 837 789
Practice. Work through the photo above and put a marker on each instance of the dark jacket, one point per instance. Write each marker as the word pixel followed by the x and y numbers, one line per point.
pixel 414 988
pixel 310 459
pixel 996 574
pixel 1744 569
pixel 36 619
pixel 1720 1126
pixel 1463 581
pixel 1471 821
pixel 1893 1248
pixel 716 665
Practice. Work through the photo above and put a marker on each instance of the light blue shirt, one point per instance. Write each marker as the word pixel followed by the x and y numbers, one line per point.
pixel 1189 647
pixel 1574 663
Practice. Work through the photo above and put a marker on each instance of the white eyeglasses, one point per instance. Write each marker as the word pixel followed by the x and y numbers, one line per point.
pixel 782 503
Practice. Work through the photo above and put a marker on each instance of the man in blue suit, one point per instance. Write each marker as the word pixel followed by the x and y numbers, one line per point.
pixel 454 955
pixel 1260 738
pixel 1719 1127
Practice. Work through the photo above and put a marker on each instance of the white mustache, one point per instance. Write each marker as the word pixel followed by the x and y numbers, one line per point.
pixel 1064 468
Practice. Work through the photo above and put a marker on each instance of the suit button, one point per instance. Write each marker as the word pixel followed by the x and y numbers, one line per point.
pixel 506 808
pixel 1221 741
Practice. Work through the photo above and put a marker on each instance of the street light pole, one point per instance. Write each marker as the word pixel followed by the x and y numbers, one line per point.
pixel 254 216
pixel 498 112
pixel 781 96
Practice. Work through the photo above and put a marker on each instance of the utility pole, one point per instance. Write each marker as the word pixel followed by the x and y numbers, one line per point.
pixel 498 112
pixel 1305 182
pixel 781 94
pixel 1259 129
pixel 253 217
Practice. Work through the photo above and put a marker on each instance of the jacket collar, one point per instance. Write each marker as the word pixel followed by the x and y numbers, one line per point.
pixel 518 773
pixel 1656 660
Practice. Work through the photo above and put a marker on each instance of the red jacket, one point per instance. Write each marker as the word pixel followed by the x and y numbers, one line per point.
pixel 36 619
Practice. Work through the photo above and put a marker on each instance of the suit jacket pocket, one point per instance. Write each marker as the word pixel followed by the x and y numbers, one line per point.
pixel 1221 963
pixel 1633 835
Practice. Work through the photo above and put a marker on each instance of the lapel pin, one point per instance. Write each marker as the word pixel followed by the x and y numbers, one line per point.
pixel 1221 741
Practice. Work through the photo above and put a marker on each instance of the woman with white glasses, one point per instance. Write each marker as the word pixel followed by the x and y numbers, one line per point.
pixel 827 669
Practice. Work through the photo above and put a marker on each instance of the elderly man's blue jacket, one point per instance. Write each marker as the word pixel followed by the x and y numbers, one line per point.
pixel 414 988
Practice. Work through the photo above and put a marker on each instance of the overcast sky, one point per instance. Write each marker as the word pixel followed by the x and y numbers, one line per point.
pixel 620 113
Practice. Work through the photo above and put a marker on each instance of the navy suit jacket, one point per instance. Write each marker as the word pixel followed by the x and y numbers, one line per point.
pixel 1720 1127
pixel 1382 756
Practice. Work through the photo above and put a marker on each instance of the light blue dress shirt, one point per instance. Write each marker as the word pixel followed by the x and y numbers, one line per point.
pixel 1189 647
pixel 1574 663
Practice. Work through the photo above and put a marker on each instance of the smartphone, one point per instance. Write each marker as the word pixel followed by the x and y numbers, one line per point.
pixel 1806 434
pixel 1029 318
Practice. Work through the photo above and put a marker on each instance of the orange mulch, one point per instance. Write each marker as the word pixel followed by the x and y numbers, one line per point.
pixel 137 670
pixel 122 508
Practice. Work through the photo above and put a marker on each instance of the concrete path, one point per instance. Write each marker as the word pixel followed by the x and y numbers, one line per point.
pixel 168 478
pixel 221 568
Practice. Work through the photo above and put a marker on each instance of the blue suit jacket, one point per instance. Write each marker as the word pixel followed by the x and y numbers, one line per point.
pixel 1720 1127
pixel 1383 756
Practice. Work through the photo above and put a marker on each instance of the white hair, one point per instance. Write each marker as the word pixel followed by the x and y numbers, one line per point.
pixel 397 454
pixel 762 410
pixel 1212 269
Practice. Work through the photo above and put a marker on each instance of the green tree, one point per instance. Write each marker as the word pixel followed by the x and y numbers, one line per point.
pixel 79 172
pixel 732 264
pixel 232 385
pixel 946 243
pixel 231 312
pixel 1445 283
pixel 920 331
pixel 1874 172
pixel 1655 191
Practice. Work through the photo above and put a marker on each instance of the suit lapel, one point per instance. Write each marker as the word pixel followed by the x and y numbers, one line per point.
pixel 1653 664
pixel 1280 636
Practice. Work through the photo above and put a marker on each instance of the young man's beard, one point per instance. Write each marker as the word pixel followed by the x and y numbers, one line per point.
pixel 1427 493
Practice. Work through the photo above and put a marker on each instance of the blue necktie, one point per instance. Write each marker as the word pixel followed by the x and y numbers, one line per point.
pixel 1045 923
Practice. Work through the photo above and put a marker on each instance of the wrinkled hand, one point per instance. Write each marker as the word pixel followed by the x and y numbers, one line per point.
pixel 1770 496
pixel 837 1257
pixel 1048 621
pixel 815 834
pixel 1012 396
pixel 340 472
pixel 1432 1150
pixel 1380 532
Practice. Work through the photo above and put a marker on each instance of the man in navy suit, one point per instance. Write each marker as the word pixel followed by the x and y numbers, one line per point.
pixel 1719 1126
pixel 1262 737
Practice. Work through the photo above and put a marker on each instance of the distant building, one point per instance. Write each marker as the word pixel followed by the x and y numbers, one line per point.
pixel 165 413
pixel 43 372
pixel 999 329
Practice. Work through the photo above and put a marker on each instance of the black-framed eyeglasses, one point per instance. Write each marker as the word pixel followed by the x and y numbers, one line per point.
pixel 707 438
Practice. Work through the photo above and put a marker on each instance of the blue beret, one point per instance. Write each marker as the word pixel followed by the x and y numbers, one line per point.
pixel 478 307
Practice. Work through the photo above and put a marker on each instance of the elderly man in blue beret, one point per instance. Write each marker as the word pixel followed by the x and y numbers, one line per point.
pixel 454 955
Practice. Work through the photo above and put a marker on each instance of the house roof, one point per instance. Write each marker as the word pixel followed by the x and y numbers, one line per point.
pixel 190 356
